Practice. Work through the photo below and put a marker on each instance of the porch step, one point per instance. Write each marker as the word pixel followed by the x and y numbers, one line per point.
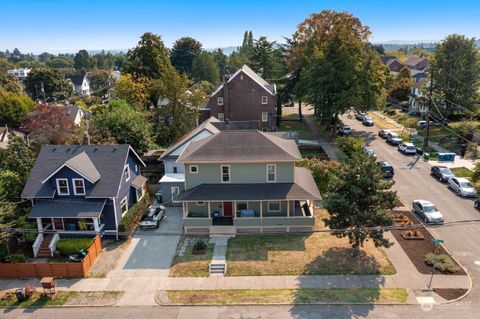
pixel 44 250
pixel 218 269
pixel 222 230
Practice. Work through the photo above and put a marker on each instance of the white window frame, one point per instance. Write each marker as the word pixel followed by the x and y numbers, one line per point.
pixel 274 173
pixel 75 186
pixel 126 173
pixel 58 187
pixel 178 193
pixel 264 99
pixel 220 100
pixel 274 210
pixel 125 199
pixel 142 193
pixel 136 168
pixel 229 174
pixel 264 116
pixel 200 203
pixel 222 117
pixel 196 167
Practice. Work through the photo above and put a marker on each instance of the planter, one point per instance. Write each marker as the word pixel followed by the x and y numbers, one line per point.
pixel 412 235
pixel 398 218
pixel 199 251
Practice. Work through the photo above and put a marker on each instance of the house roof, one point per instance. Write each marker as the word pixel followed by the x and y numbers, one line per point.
pixel 237 125
pixel 5 133
pixel 72 111
pixel 77 80
pixel 245 69
pixel 172 178
pixel 240 146
pixel 82 165
pixel 206 125
pixel 108 161
pixel 413 61
pixel 139 181
pixel 302 189
pixel 67 208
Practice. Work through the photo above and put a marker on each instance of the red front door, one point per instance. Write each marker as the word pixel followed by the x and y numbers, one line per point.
pixel 227 209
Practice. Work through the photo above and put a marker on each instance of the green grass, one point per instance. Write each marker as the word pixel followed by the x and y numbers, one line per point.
pixel 462 172
pixel 37 300
pixel 191 265
pixel 289 296
pixel 297 126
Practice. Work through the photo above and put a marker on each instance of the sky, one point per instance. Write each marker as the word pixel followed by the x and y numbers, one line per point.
pixel 68 26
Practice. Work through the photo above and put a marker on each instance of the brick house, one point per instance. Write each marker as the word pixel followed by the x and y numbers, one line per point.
pixel 243 97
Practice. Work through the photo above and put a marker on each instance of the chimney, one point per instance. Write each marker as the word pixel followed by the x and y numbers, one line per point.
pixel 86 138
pixel 226 96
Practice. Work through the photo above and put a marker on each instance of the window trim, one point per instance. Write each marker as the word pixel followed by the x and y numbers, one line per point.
pixel 58 187
pixel 136 168
pixel 125 199
pixel 171 192
pixel 126 170
pixel 229 174
pixel 75 186
pixel 190 169
pixel 220 100
pixel 142 193
pixel 264 99
pixel 274 211
pixel 223 117
pixel 264 116
pixel 274 173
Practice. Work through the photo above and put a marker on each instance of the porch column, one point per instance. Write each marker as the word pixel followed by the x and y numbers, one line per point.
pixel 39 225
pixel 53 224
pixel 288 208
pixel 234 209
pixel 261 216
pixel 184 210
pixel 95 225
pixel 209 210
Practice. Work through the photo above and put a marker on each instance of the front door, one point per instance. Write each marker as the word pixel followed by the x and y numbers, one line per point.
pixel 227 209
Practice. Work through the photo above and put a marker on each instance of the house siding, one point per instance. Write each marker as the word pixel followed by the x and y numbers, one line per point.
pixel 69 175
pixel 166 189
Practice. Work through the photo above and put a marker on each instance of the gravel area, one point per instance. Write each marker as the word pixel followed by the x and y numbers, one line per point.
pixel 108 258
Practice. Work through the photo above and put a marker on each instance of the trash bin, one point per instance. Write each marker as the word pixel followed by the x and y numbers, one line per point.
pixel 426 156
pixel 463 150
pixel 20 294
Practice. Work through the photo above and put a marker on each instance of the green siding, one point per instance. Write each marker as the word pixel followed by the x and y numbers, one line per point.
pixel 292 221
pixel 283 209
pixel 198 209
pixel 197 222
pixel 246 222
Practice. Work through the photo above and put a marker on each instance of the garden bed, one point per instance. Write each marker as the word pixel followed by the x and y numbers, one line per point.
pixel 450 293
pixel 191 264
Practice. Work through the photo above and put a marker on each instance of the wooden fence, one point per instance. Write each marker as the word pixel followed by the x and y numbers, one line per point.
pixel 53 269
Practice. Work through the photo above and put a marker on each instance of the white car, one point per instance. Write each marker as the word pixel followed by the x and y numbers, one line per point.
pixel 152 217
pixel 462 187
pixel 427 211
pixel 407 148
pixel 370 151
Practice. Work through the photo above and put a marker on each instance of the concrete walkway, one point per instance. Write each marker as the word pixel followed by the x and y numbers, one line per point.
pixel 330 148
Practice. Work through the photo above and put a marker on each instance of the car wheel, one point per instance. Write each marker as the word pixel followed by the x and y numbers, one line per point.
pixel 425 219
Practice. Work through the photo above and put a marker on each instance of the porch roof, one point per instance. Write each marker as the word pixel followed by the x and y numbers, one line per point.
pixel 67 208
pixel 139 181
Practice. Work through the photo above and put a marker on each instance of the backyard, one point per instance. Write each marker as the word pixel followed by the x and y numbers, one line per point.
pixel 290 122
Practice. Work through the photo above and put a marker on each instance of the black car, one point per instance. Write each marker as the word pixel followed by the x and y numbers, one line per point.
pixel 387 169
pixel 344 130
pixel 360 116
pixel 441 172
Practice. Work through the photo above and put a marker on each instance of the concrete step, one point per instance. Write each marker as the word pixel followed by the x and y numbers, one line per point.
pixel 217 268
pixel 222 230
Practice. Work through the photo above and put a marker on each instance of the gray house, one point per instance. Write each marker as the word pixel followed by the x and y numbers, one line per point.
pixel 246 181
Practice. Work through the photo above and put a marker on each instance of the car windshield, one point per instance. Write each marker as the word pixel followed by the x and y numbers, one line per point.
pixel 465 185
pixel 429 209
pixel 411 147
pixel 368 118
pixel 445 171
pixel 346 127
pixel 387 168
pixel 148 216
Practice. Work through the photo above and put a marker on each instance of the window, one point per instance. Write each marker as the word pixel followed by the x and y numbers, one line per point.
pixel 124 206
pixel 225 171
pixel 175 170
pixel 78 186
pixel 140 192
pixel 193 169
pixel 126 172
pixel 241 206
pixel 136 168
pixel 221 117
pixel 264 99
pixel 271 172
pixel 62 186
pixel 175 192
pixel 264 116
pixel 273 206
pixel 220 100
pixel 200 203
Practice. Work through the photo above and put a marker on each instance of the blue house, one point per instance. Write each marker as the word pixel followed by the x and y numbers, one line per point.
pixel 82 189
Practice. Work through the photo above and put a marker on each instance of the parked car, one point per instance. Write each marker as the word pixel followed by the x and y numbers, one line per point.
pixel 387 169
pixel 383 133
pixel 407 148
pixel 442 173
pixel 476 204
pixel 462 187
pixel 369 151
pixel 367 121
pixel 344 130
pixel 394 139
pixel 427 211
pixel 423 123
pixel 360 116
pixel 152 217
pixel 78 257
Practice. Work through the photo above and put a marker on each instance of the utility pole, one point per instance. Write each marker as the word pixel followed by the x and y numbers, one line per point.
pixel 427 116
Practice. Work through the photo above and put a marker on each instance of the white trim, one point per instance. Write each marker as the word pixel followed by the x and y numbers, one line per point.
pixel 274 173
pixel 135 153
pixel 75 187
pixel 171 193
pixel 142 192
pixel 219 100
pixel 115 213
pixel 229 174
pixel 66 165
pixel 128 171
pixel 235 74
pixel 58 186
pixel 264 116
pixel 266 99
pixel 274 210
pixel 190 169
pixel 234 161
pixel 125 199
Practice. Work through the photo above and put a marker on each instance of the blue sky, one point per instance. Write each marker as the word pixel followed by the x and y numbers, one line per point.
pixel 67 26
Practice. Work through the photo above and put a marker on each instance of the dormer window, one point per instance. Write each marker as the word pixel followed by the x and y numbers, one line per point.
pixel 62 187
pixel 126 173
pixel 78 186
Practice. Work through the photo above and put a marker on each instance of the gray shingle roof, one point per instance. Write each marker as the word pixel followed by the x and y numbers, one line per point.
pixel 68 208
pixel 82 164
pixel 240 146
pixel 109 161
pixel 139 181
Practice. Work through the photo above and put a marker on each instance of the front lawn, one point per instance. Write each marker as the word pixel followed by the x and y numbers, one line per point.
pixel 380 122
pixel 71 298
pixel 290 122
pixel 288 296
pixel 462 172
pixel 190 265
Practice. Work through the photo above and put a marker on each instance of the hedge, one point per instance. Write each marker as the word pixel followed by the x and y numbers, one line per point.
pixel 132 217
pixel 14 258
pixel 70 246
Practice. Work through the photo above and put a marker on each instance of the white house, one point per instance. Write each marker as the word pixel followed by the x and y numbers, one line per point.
pixel 80 84
pixel 19 73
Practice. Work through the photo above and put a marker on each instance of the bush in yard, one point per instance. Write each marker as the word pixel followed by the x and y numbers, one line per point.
pixel 200 244
pixel 349 145
pixel 132 217
pixel 15 258
pixel 410 123
pixel 70 246
pixel 443 262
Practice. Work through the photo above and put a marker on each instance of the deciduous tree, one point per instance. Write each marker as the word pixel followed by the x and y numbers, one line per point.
pixel 205 69
pixel 9 83
pixel 13 107
pixel 184 52
pixel 133 90
pixel 47 84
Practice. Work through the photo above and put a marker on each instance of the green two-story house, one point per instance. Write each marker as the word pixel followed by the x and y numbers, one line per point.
pixel 245 182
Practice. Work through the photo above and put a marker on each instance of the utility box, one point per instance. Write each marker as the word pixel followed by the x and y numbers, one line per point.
pixel 446 157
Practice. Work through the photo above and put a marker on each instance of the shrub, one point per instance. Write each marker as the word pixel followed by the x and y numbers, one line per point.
pixel 131 218
pixel 200 244
pixel 443 262
pixel 410 123
pixel 14 258
pixel 350 145
pixel 70 246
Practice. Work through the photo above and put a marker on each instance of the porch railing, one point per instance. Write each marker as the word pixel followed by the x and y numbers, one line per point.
pixel 36 244
pixel 53 243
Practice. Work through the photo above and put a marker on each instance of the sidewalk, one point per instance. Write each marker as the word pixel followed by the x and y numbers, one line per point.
pixel 330 148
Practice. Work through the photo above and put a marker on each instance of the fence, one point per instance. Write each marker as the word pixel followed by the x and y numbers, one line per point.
pixel 53 269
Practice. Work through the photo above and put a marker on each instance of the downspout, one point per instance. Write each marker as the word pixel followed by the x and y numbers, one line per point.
pixel 116 218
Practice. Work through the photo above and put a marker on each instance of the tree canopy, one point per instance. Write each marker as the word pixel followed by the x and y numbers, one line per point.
pixel 263 58
pixel 47 84
pixel 13 107
pixel 82 61
pixel 184 52
pixel 205 69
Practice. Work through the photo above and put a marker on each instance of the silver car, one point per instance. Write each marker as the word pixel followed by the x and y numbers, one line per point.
pixel 462 187
pixel 427 211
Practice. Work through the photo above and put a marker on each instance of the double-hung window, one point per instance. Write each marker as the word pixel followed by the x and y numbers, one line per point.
pixel 274 206
pixel 225 173
pixel 62 187
pixel 78 186
pixel 264 99
pixel 221 117
pixel 264 117
pixel 126 173
pixel 271 173
pixel 220 100
pixel 124 206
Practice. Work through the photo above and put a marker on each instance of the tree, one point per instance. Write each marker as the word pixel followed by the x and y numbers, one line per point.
pixel 184 52
pixel 323 172
pixel 101 81
pixel 126 125
pixel 350 145
pixel 221 60
pixel 150 58
pixel 5 65
pixel 10 185
pixel 9 83
pixel 61 62
pixel 13 107
pixel 7 221
pixel 262 57
pixel 358 200
pixel 236 61
pixel 48 124
pixel 17 158
pixel 47 84
pixel 205 69
pixel 134 91
pixel 82 61
pixel 400 88
pixel 456 71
